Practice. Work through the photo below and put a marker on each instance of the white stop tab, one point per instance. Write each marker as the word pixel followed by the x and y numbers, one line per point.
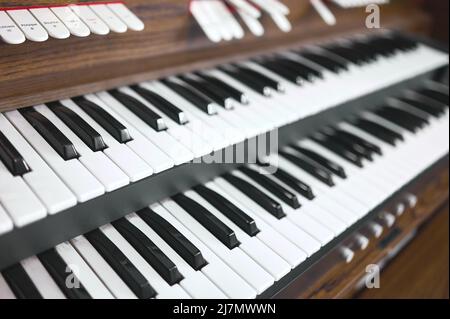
pixel 109 17
pixel 55 28
pixel 128 17
pixel 94 23
pixel 71 21
pixel 9 31
pixel 32 29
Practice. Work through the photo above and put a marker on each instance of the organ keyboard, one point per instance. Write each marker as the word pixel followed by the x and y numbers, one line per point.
pixel 115 184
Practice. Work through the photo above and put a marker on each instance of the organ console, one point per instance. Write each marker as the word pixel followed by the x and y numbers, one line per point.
pixel 152 162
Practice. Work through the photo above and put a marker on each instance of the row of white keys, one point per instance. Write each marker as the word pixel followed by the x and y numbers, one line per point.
pixel 79 180
pixel 325 196
pixel 130 163
pixel 252 246
pixel 41 279
pixel 300 217
pixel 53 193
pixel 213 135
pixel 100 166
pixel 144 148
pixel 194 282
pixel 165 142
pixel 268 235
pixel 163 289
pixel 102 269
pixel 216 270
pixel 290 231
pixel 254 274
pixel 5 290
pixel 82 271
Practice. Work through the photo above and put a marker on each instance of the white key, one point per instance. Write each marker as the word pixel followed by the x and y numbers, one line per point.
pixel 97 163
pixel 55 28
pixel 194 282
pixel 93 22
pixel 41 279
pixel 18 199
pixel 5 290
pixel 9 31
pixel 164 141
pixel 216 270
pixel 75 176
pixel 163 289
pixel 6 224
pixel 29 25
pixel 128 17
pixel 71 21
pixel 53 193
pixel 252 246
pixel 143 147
pixel 109 17
pixel 102 269
pixel 130 163
pixel 256 276
pixel 283 247
pixel 83 272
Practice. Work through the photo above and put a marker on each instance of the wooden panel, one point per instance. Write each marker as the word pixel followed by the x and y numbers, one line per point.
pixel 172 42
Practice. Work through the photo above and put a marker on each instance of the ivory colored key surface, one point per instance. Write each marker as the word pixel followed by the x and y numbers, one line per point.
pixel 32 29
pixel 9 31
pixel 55 28
pixel 91 19
pixel 71 21
pixel 127 16
pixel 109 17
pixel 6 223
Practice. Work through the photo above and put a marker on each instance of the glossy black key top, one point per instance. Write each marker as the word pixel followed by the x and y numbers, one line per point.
pixel 232 91
pixel 79 126
pixel 106 120
pixel 347 53
pixel 273 187
pixel 348 144
pixel 252 82
pixel 191 254
pixel 214 93
pixel 338 149
pixel 379 131
pixel 303 71
pixel 198 99
pixel 257 76
pixel 214 225
pixel 121 265
pixel 360 141
pixel 324 61
pixel 283 71
pixel 149 251
pixel 406 123
pixel 236 215
pixel 433 109
pixel 302 188
pixel 162 104
pixel 319 173
pixel 12 159
pixel 60 143
pixel 20 283
pixel 325 162
pixel 140 110
pixel 266 202
pixel 57 268
pixel 435 95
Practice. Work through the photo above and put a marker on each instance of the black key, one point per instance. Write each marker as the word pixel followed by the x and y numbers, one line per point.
pixel 236 215
pixel 266 202
pixel 106 120
pixel 20 283
pixel 60 143
pixel 232 91
pixel 435 95
pixel 140 110
pixel 433 109
pixel 257 76
pixel 252 82
pixel 389 136
pixel 346 53
pixel 214 93
pixel 161 104
pixel 191 254
pixel 283 71
pixel 12 159
pixel 149 251
pixel 324 61
pixel 319 173
pixel 121 265
pixel 344 152
pixel 221 231
pixel 348 144
pixel 196 98
pixel 305 72
pixel 79 126
pixel 279 191
pixel 57 268
pixel 325 162
pixel 296 184
pixel 405 122
pixel 360 141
